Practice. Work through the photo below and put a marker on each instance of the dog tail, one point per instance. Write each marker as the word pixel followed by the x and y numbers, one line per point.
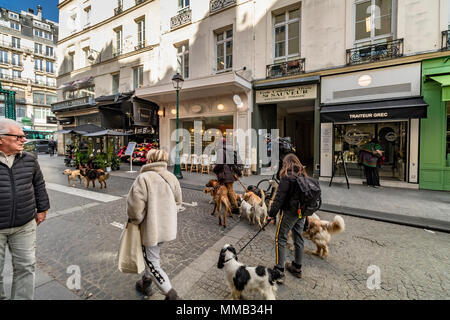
pixel 336 226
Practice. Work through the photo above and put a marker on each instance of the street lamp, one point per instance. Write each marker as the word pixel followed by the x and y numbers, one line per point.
pixel 177 81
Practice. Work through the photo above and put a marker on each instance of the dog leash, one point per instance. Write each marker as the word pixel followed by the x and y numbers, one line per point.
pixel 243 186
pixel 253 238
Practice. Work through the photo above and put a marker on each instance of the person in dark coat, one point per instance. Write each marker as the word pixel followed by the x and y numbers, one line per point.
pixel 369 156
pixel 228 167
pixel 23 206
pixel 51 147
pixel 287 199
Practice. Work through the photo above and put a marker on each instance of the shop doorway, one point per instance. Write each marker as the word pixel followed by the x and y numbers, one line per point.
pixel 392 137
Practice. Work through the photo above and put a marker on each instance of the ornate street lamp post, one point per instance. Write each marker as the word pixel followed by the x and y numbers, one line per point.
pixel 177 81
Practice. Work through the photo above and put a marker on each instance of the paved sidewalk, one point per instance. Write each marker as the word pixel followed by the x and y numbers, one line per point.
pixel 418 208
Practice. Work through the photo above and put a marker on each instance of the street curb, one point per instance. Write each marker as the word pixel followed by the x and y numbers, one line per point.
pixel 417 222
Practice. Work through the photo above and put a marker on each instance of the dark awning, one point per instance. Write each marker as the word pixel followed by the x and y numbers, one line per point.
pixel 404 108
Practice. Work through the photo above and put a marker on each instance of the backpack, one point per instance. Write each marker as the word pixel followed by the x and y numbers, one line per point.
pixel 285 146
pixel 310 198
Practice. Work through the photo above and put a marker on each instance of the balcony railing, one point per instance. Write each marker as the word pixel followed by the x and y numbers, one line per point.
pixel 140 45
pixel 118 10
pixel 376 52
pixel 287 68
pixel 445 44
pixel 217 5
pixel 181 19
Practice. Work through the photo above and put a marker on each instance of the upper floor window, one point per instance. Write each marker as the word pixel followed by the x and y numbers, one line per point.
pixel 49 51
pixel 4 56
pixel 70 62
pixel 4 73
pixel 17 74
pixel 15 42
pixel 373 21
pixel 183 60
pixel 140 33
pixel 38 64
pixel 138 77
pixel 287 35
pixel 87 12
pixel 16 59
pixel 43 34
pixel 38 48
pixel 183 4
pixel 224 50
pixel 118 41
pixel 14 25
pixel 38 98
pixel 49 66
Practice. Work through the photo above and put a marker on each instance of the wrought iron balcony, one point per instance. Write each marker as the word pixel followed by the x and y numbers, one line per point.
pixel 181 19
pixel 287 68
pixel 217 5
pixel 376 52
pixel 445 44
pixel 118 10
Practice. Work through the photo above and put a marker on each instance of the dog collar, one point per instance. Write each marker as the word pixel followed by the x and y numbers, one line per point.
pixel 229 259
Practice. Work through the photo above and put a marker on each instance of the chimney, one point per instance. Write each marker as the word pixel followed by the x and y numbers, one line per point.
pixel 31 11
pixel 39 14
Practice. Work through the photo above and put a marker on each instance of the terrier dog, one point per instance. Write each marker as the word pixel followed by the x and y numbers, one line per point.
pixel 246 210
pixel 244 280
pixel 72 176
pixel 220 195
pixel 320 231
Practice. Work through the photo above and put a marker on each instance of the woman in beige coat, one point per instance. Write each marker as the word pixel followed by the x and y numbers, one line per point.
pixel 153 203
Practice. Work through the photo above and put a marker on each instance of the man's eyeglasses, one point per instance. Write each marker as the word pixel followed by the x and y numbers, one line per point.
pixel 18 137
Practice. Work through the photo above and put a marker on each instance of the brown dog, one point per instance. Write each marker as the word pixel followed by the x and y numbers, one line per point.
pixel 72 176
pixel 90 175
pixel 220 195
pixel 103 176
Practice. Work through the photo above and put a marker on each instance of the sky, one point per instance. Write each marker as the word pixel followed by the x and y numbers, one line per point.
pixel 49 7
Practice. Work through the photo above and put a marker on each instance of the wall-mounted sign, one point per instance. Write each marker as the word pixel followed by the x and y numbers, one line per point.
pixel 286 94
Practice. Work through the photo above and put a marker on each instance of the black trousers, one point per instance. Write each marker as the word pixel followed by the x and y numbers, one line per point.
pixel 373 179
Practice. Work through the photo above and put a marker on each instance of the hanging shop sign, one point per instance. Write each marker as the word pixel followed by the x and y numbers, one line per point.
pixel 286 94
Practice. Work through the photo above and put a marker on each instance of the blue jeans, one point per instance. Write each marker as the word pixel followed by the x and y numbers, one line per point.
pixel 21 242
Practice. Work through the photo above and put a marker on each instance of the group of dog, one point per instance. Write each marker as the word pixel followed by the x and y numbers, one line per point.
pixel 245 280
pixel 88 175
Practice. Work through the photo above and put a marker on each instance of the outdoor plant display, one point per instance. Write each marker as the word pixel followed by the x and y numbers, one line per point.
pixel 140 153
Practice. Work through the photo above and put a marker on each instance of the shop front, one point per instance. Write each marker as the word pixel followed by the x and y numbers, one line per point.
pixel 383 104
pixel 290 106
pixel 435 133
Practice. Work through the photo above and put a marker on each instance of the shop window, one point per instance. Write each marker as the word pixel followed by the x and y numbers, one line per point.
pixel 287 35
pixel 2 109
pixel 224 50
pixel 374 21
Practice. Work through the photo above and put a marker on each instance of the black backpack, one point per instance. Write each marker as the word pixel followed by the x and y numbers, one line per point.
pixel 310 198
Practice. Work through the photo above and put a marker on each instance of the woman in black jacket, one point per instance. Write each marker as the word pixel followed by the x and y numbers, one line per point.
pixel 287 199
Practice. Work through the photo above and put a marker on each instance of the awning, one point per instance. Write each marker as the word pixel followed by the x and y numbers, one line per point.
pixel 82 129
pixel 405 108
pixel 444 81
pixel 106 133
pixel 83 81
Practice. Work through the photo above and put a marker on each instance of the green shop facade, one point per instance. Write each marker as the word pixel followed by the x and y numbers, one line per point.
pixel 434 167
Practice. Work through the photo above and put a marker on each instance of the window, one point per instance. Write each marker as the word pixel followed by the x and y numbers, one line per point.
pixel 287 35
pixel 43 34
pixel 141 33
pixel 51 82
pixel 17 74
pixel 49 66
pixel 2 109
pixel 40 114
pixel 14 25
pixel 21 111
pixel 183 4
pixel 51 98
pixel 373 20
pixel 38 98
pixel 70 62
pixel 118 37
pixel 38 64
pixel 4 73
pixel 16 59
pixel 224 50
pixel 87 12
pixel 49 51
pixel 15 42
pixel 138 77
pixel 4 56
pixel 37 48
pixel 183 60
pixel 115 83
pixel 39 79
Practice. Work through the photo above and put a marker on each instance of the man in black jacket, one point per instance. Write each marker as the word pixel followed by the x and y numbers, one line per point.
pixel 23 205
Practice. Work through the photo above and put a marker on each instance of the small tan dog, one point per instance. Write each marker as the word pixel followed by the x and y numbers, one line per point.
pixel 220 195
pixel 72 176
pixel 103 176
pixel 320 231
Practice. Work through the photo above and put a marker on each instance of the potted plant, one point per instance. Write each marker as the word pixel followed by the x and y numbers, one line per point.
pixel 115 163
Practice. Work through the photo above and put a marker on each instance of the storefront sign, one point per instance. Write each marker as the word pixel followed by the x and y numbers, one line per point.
pixel 286 94
pixel 68 104
pixel 368 115
pixel 144 130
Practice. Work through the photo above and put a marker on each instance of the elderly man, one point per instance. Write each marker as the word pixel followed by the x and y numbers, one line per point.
pixel 23 205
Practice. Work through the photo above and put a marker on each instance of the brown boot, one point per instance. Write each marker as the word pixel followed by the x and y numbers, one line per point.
pixel 144 286
pixel 172 295
pixel 296 272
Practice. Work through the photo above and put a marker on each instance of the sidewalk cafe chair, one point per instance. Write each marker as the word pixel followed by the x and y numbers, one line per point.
pixel 247 167
pixel 205 164
pixel 184 161
pixel 212 161
pixel 195 162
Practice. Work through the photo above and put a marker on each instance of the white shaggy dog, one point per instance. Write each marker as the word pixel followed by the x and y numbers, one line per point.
pixel 246 210
pixel 244 280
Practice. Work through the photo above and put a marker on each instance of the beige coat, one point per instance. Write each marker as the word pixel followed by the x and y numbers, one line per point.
pixel 153 204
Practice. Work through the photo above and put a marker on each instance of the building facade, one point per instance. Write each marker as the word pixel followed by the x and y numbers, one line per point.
pixel 28 67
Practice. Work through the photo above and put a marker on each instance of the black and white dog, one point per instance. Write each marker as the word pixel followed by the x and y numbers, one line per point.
pixel 244 280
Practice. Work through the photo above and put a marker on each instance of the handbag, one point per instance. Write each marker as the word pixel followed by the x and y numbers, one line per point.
pixel 131 256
